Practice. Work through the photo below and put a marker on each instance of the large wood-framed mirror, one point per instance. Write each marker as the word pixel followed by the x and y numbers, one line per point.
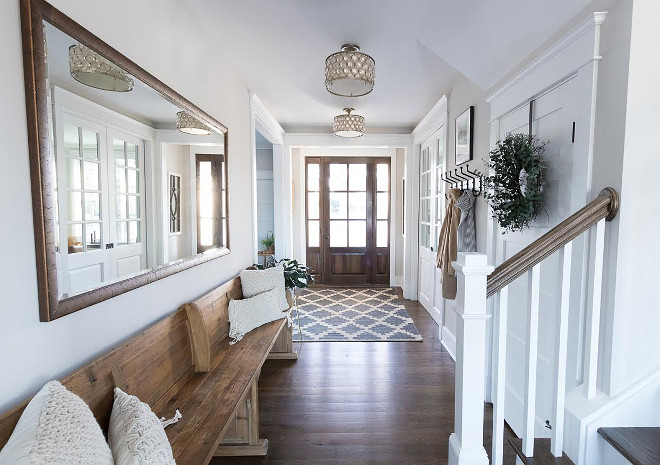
pixel 129 178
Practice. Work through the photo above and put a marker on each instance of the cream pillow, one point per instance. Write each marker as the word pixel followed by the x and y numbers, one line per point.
pixel 255 282
pixel 247 314
pixel 136 435
pixel 56 427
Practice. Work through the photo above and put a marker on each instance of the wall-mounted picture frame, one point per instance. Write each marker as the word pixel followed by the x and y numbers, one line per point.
pixel 464 136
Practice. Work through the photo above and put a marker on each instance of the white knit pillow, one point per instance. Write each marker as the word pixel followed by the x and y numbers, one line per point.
pixel 255 282
pixel 56 427
pixel 247 314
pixel 136 435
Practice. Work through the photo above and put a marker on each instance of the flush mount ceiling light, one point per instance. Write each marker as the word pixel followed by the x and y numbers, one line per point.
pixel 191 125
pixel 90 68
pixel 348 125
pixel 350 73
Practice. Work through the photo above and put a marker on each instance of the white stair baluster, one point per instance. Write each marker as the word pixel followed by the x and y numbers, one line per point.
pixel 593 316
pixel 557 437
pixel 499 362
pixel 529 415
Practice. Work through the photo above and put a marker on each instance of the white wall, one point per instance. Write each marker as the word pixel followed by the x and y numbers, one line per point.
pixel 465 93
pixel 636 319
pixel 42 351
pixel 177 160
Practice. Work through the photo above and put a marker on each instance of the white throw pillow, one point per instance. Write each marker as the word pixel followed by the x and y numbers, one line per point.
pixel 56 427
pixel 247 314
pixel 136 435
pixel 255 282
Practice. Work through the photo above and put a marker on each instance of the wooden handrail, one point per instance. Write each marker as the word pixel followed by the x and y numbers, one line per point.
pixel 606 206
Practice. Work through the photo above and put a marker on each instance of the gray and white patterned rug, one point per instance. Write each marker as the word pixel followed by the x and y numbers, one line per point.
pixel 348 314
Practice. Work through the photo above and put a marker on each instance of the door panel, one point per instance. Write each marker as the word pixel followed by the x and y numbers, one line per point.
pixel 553 117
pixel 347 218
pixel 432 204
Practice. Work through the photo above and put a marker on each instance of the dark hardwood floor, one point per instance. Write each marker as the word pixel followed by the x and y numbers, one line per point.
pixel 361 403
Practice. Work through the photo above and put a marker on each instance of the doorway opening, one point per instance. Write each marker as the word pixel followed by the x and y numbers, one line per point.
pixel 265 198
pixel 347 218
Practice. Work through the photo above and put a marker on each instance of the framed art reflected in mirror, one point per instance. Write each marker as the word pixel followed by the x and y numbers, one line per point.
pixel 105 138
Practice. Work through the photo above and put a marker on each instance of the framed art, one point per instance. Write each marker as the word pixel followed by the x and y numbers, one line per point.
pixel 464 136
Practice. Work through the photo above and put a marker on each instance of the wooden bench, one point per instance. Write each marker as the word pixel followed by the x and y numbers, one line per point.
pixel 185 362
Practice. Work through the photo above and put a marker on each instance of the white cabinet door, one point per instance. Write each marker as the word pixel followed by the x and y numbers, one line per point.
pixel 431 211
pixel 553 117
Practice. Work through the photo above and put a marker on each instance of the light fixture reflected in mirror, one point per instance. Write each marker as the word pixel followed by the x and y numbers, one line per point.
pixel 191 125
pixel 350 73
pixel 90 68
pixel 348 125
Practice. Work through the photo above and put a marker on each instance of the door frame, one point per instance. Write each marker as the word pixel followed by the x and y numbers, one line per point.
pixel 433 122
pixel 358 152
pixel 371 248
pixel 264 122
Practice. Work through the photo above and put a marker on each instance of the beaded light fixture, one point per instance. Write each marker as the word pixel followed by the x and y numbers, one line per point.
pixel 348 125
pixel 191 125
pixel 350 73
pixel 90 68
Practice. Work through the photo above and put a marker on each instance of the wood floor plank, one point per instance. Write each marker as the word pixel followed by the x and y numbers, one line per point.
pixel 361 403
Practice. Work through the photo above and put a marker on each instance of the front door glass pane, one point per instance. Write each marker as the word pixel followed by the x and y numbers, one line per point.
pixel 338 177
pixel 357 205
pixel 338 233
pixel 357 177
pixel 357 233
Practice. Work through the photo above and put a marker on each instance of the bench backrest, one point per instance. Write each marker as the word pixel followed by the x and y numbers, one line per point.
pixel 146 365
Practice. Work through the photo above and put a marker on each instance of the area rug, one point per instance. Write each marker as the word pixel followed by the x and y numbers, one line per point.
pixel 349 314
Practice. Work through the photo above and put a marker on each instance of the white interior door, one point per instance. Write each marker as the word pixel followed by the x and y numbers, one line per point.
pixel 84 261
pixel 127 204
pixel 431 211
pixel 553 117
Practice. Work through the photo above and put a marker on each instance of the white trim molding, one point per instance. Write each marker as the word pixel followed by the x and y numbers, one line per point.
pixel 579 47
pixel 432 121
pixel 266 123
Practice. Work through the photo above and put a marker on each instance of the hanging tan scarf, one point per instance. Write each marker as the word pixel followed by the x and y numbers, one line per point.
pixel 447 244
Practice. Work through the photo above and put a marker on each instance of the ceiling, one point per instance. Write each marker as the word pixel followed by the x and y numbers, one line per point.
pixel 420 47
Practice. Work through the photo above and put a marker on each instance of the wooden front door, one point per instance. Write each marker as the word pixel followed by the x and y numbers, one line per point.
pixel 348 220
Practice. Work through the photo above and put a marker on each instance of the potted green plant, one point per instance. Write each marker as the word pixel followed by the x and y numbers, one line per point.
pixel 268 242
pixel 296 275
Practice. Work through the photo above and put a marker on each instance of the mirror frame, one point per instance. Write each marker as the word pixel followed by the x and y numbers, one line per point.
pixel 51 307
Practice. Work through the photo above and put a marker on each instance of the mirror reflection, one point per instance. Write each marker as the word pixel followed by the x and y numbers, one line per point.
pixel 139 182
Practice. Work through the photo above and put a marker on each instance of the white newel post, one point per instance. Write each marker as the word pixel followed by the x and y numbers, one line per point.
pixel 466 442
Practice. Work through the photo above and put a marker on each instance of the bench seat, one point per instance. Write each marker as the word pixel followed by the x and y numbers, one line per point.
pixel 209 401
pixel 184 361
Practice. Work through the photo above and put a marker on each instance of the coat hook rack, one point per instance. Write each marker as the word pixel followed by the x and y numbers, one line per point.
pixel 460 178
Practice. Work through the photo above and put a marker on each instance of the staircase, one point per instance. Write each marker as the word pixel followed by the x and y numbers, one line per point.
pixel 640 446
pixel 477 282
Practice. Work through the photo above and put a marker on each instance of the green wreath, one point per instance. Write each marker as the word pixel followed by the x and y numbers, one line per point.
pixel 514 190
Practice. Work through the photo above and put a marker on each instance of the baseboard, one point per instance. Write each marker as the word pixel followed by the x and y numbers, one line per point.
pixel 436 314
pixel 448 341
